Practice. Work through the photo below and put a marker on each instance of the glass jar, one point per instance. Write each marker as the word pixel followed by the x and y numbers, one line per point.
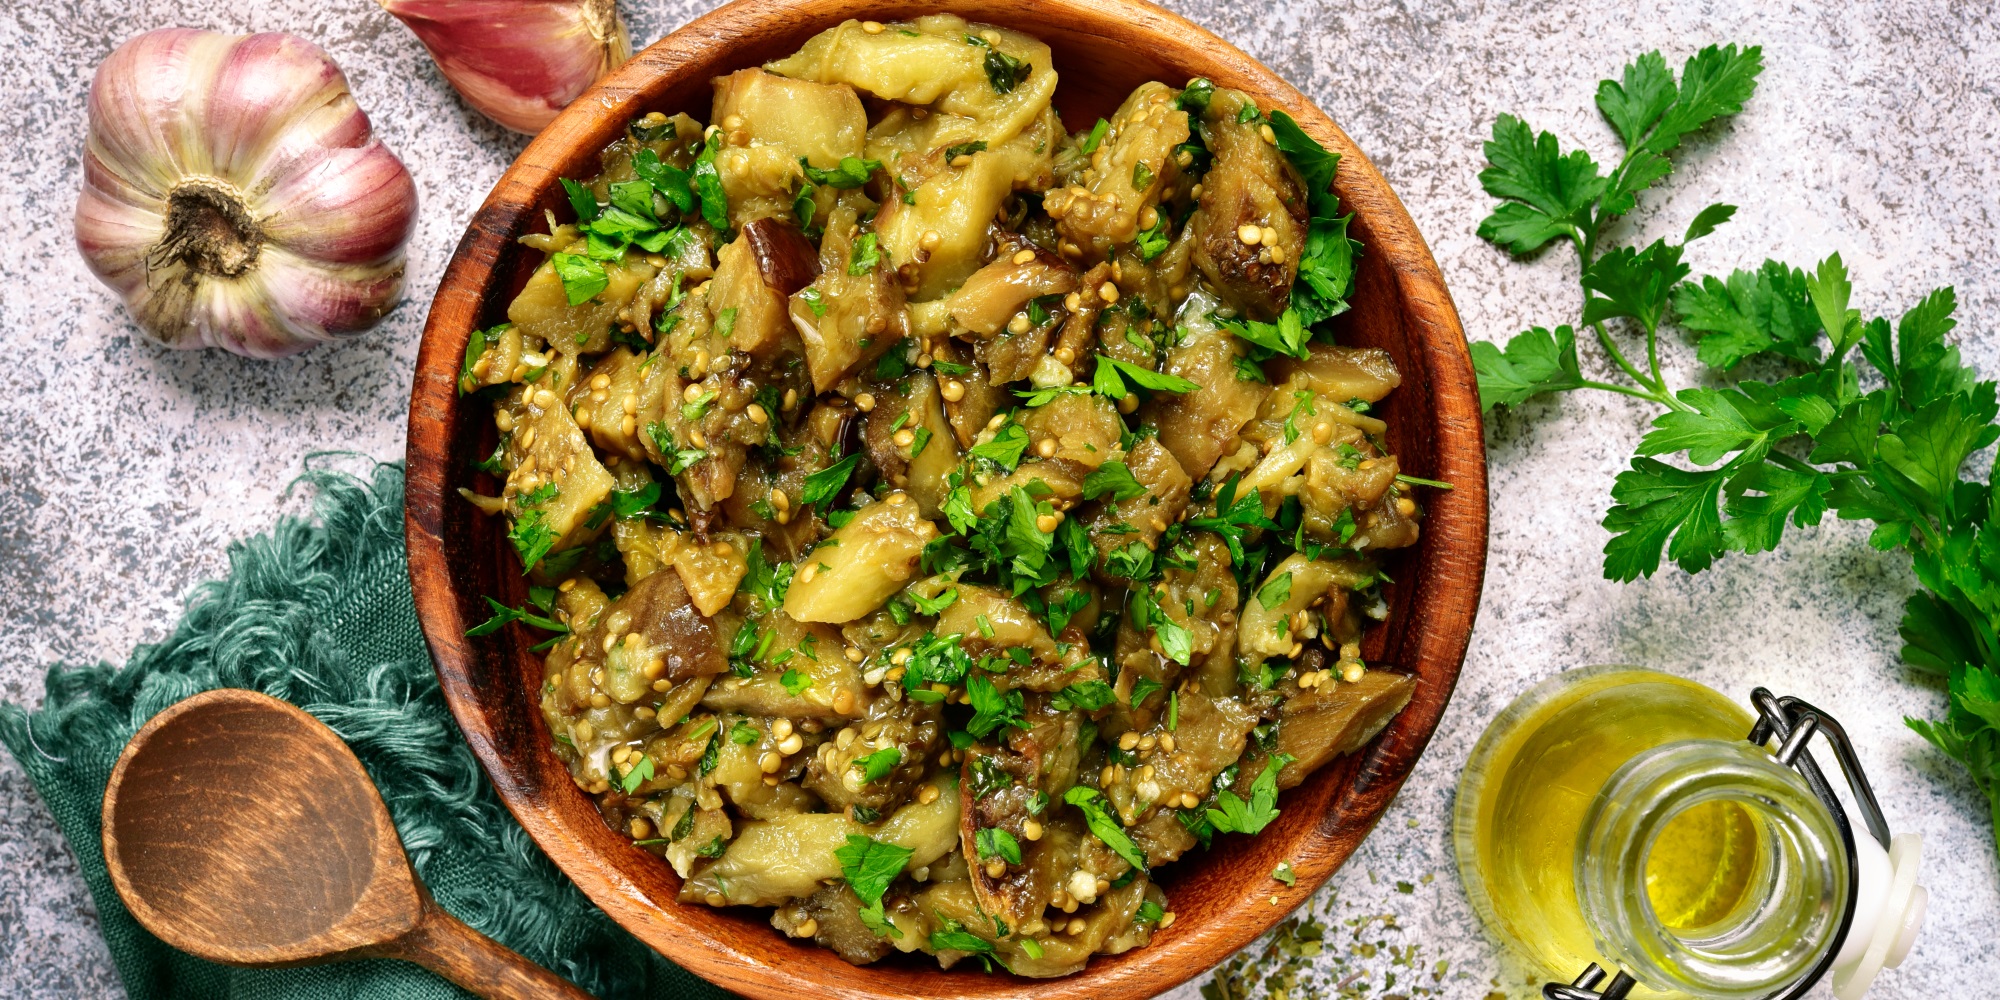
pixel 1618 815
pixel 1707 867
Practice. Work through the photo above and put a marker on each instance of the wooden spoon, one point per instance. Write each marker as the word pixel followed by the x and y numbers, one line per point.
pixel 241 830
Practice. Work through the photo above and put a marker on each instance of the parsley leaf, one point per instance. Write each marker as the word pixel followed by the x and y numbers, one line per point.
pixel 531 534
pixel 708 184
pixel 869 866
pixel 991 709
pixel 582 278
pixel 639 774
pixel 1004 72
pixel 1194 100
pixel 852 172
pixel 1275 591
pixel 1088 696
pixel 1104 826
pixel 1751 313
pixel 1114 478
pixel 1109 378
pixel 1233 815
pixel 993 842
pixel 475 347
pixel 1005 449
pixel 765 581
pixel 865 255
pixel 1150 243
pixel 1545 193
pixel 795 682
pixel 1287 336
pixel 667 179
pixel 581 200
pixel 935 605
pixel 503 614
pixel 964 149
pixel 878 765
pixel 1633 283
pixel 1096 136
pixel 827 483
pixel 1535 361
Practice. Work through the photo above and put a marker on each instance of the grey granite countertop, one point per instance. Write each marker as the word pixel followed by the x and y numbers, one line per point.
pixel 1875 132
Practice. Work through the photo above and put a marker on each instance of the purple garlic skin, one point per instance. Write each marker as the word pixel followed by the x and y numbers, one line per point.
pixel 235 197
pixel 519 62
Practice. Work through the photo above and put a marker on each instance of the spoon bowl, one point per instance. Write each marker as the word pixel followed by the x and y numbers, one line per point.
pixel 241 830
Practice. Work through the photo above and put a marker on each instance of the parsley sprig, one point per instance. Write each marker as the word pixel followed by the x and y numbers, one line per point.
pixel 540 598
pixel 1757 455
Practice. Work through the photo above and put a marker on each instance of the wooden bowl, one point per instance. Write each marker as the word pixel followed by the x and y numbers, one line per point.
pixel 1103 48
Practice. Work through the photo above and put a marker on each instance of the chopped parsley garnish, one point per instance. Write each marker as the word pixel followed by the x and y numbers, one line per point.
pixel 827 483
pixel 503 614
pixel 1005 449
pixel 1088 696
pixel 1194 100
pixel 964 149
pixel 696 408
pixel 869 866
pixel 852 172
pixel 708 184
pixel 991 709
pixel 865 256
pixel 1114 478
pixel 766 581
pixel 582 278
pixel 1233 815
pixel 935 605
pixel 878 765
pixel 1109 379
pixel 993 842
pixel 1277 590
pixel 581 200
pixel 1144 688
pixel 1096 136
pixel 639 774
pixel 532 535
pixel 1004 72
pixel 1104 826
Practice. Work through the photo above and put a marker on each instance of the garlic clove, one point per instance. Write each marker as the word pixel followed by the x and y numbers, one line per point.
pixel 357 221
pixel 519 62
pixel 323 302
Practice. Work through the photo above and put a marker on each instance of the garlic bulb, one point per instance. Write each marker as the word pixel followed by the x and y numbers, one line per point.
pixel 233 194
pixel 519 61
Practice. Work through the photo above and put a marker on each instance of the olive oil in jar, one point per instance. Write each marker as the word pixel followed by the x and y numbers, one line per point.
pixel 1700 867
pixel 1531 780
pixel 1621 817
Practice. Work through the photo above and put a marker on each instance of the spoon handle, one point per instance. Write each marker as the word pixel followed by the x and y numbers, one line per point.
pixel 445 945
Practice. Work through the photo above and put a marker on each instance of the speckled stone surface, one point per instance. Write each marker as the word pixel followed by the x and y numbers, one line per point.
pixel 1875 133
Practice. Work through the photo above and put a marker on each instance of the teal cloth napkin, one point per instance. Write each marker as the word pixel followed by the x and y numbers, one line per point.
pixel 319 613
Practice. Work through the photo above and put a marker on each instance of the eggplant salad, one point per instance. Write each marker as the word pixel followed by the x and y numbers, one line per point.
pixel 938 520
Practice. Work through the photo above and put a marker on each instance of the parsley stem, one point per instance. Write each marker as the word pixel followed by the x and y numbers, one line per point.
pixel 1653 354
pixel 1786 461
pixel 1620 389
pixel 1657 390
pixel 1618 357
